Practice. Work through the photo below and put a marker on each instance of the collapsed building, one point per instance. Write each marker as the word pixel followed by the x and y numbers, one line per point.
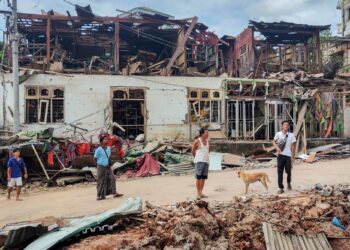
pixel 145 72
pixel 263 48
pixel 140 41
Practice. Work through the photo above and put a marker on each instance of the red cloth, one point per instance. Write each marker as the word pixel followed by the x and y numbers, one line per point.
pixel 83 148
pixel 118 143
pixel 145 166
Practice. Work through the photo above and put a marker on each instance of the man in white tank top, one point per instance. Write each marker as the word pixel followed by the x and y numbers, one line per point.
pixel 200 152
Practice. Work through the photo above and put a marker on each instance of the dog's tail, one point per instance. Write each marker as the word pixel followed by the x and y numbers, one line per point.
pixel 267 178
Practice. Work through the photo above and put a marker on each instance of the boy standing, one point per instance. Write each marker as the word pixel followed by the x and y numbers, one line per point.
pixel 15 166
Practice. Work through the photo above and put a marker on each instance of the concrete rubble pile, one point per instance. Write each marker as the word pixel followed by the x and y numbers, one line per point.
pixel 232 225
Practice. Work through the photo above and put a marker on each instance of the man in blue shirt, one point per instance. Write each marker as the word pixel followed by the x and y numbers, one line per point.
pixel 15 166
pixel 105 177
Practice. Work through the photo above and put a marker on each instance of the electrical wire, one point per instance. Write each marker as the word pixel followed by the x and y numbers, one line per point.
pixel 149 35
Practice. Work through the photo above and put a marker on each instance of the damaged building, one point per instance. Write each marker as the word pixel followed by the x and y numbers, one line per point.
pixel 145 72
pixel 138 42
pixel 263 48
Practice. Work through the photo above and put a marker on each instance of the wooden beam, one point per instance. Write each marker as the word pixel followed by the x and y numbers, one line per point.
pixel 181 60
pixel 116 46
pixel 318 51
pixel 287 31
pixel 40 162
pixel 222 61
pixel 180 47
pixel 48 41
pixel 216 49
pixel 306 56
pixel 106 19
pixel 301 118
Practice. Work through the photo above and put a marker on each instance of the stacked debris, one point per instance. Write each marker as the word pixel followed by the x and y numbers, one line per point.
pixel 234 225
pixel 155 158
pixel 329 151
pixel 141 41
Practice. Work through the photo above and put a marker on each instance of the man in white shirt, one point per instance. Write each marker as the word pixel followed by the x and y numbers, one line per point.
pixel 284 143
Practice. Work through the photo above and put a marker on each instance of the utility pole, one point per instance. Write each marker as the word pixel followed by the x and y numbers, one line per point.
pixel 14 41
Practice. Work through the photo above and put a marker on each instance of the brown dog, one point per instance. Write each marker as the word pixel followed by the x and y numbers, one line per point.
pixel 254 177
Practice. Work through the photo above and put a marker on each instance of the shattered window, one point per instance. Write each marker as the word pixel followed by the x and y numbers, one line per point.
pixel 58 93
pixel 194 94
pixel 45 109
pixel 243 49
pixel 44 92
pixel 32 111
pixel 215 112
pixel 216 94
pixel 31 92
pixel 203 108
pixel 120 94
pixel 205 94
pixel 136 94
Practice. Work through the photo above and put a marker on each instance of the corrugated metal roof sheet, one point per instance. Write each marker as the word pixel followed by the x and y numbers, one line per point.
pixel 280 241
pixel 132 205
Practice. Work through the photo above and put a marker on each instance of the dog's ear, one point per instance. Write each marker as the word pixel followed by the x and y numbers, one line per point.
pixel 239 173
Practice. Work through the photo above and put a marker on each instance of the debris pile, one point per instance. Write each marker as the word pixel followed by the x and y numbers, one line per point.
pixel 141 41
pixel 155 158
pixel 234 225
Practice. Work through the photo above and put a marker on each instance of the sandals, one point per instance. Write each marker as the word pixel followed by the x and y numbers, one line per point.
pixel 100 198
pixel 117 195
pixel 204 196
pixel 280 191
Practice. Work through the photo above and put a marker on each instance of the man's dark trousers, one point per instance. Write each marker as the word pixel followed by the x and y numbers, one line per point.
pixel 284 163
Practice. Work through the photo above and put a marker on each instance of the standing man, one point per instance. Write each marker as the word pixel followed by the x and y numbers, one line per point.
pixel 284 143
pixel 105 177
pixel 200 151
pixel 15 166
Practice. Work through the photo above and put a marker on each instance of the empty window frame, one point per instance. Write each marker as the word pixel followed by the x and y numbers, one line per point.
pixel 128 108
pixel 205 105
pixel 44 104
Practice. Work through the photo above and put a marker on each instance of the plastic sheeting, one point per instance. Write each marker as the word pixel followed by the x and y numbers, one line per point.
pixel 131 206
pixel 215 161
pixel 145 166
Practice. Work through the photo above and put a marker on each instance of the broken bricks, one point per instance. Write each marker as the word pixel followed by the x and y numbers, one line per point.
pixel 233 225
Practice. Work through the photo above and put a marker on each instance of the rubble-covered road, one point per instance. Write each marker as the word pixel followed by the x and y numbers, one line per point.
pixel 159 190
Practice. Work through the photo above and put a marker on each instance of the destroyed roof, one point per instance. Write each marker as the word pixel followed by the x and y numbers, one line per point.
pixel 148 11
pixel 228 38
pixel 287 33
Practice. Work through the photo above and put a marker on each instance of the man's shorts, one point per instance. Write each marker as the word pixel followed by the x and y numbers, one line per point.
pixel 201 170
pixel 15 182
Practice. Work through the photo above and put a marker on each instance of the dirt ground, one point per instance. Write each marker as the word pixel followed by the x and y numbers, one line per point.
pixel 80 200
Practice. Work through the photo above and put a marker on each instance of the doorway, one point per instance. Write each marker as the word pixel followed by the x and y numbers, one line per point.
pixel 128 110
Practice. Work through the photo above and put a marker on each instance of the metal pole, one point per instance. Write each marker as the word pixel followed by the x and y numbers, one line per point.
pixel 14 41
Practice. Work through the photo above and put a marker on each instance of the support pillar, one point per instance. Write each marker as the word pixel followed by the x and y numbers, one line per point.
pixel 48 42
pixel 116 47
pixel 318 51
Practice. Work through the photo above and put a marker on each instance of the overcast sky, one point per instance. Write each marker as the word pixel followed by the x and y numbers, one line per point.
pixel 222 16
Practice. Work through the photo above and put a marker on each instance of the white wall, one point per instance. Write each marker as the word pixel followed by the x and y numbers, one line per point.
pixel 88 95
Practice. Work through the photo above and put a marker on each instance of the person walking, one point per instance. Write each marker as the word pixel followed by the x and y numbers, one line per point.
pixel 200 152
pixel 106 184
pixel 15 167
pixel 284 143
